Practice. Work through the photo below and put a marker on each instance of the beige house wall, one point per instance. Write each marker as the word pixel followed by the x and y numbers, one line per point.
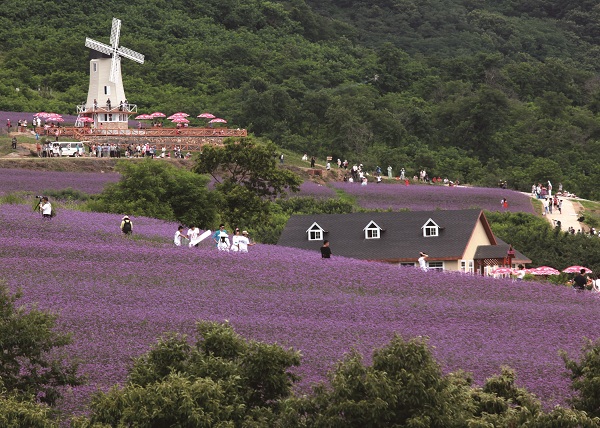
pixel 479 237
pixel 451 265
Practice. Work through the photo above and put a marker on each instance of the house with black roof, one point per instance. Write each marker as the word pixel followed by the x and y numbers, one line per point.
pixel 455 240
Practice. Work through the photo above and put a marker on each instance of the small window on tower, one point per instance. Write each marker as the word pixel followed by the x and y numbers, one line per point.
pixel 95 67
pixel 107 90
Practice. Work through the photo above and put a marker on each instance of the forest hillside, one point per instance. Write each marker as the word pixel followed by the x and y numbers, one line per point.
pixel 473 90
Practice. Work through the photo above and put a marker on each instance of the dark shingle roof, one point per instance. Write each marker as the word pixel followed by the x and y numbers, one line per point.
pixel 401 239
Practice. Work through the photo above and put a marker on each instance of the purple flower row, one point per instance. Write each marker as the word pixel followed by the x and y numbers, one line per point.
pixel 27 180
pixel 118 294
pixel 431 197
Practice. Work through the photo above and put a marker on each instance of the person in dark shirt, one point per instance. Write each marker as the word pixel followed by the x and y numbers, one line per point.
pixel 580 281
pixel 325 250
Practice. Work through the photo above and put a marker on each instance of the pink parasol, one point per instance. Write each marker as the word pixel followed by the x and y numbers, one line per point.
pixel 206 116
pixel 545 270
pixel 576 269
pixel 42 114
pixel 84 119
pixel 217 120
pixel 502 271
pixel 158 114
pixel 179 114
pixel 180 120
pixel 56 118
pixel 144 117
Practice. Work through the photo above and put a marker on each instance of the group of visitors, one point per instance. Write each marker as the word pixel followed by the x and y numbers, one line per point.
pixel 582 282
pixel 552 203
pixel 105 150
pixel 238 244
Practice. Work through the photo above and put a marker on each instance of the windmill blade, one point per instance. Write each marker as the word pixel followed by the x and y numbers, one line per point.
pixel 115 32
pixel 97 46
pixel 114 68
pixel 131 54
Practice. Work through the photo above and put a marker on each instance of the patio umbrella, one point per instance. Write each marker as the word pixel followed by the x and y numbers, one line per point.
pixel 42 114
pixel 545 270
pixel 576 269
pixel 502 271
pixel 217 120
pixel 54 119
pixel 180 120
pixel 85 119
pixel 206 116
pixel 144 117
pixel 179 114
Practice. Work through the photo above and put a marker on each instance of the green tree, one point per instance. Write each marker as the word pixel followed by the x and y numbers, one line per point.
pixel 160 190
pixel 222 380
pixel 27 336
pixel 250 164
pixel 585 377
pixel 247 178
pixel 15 413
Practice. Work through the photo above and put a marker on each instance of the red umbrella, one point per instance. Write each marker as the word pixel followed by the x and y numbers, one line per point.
pixel 217 120
pixel 54 119
pixel 42 114
pixel 545 270
pixel 207 116
pixel 158 114
pixel 180 120
pixel 144 117
pixel 179 114
pixel 576 269
pixel 84 119
pixel 502 271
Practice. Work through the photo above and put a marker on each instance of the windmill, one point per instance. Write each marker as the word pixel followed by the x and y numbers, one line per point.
pixel 106 102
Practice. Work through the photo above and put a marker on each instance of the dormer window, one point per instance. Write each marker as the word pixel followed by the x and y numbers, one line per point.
pixel 372 231
pixel 430 229
pixel 315 232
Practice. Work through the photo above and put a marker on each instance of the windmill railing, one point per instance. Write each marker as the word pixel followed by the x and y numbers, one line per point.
pixel 84 109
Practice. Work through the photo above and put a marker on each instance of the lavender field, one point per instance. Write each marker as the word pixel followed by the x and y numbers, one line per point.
pixel 431 197
pixel 117 295
pixel 27 180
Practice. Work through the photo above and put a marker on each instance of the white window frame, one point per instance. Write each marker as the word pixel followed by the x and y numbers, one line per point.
pixel 373 230
pixel 430 229
pixel 467 266
pixel 315 232
pixel 439 266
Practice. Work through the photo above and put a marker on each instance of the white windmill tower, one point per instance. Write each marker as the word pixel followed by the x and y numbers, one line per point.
pixel 106 102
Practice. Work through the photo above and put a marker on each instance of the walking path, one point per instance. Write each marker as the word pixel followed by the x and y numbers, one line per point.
pixel 569 216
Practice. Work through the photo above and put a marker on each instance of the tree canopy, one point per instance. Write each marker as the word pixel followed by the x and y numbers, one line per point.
pixel 28 371
pixel 159 190
pixel 416 84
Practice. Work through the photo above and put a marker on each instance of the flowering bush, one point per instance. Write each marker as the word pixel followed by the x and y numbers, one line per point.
pixel 117 295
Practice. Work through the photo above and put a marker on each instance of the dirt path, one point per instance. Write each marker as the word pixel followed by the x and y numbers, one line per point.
pixel 569 215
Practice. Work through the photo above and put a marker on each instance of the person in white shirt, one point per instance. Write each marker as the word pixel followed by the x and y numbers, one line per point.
pixel 46 208
pixel 422 262
pixel 193 233
pixel 223 244
pixel 235 240
pixel 244 242
pixel 178 235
